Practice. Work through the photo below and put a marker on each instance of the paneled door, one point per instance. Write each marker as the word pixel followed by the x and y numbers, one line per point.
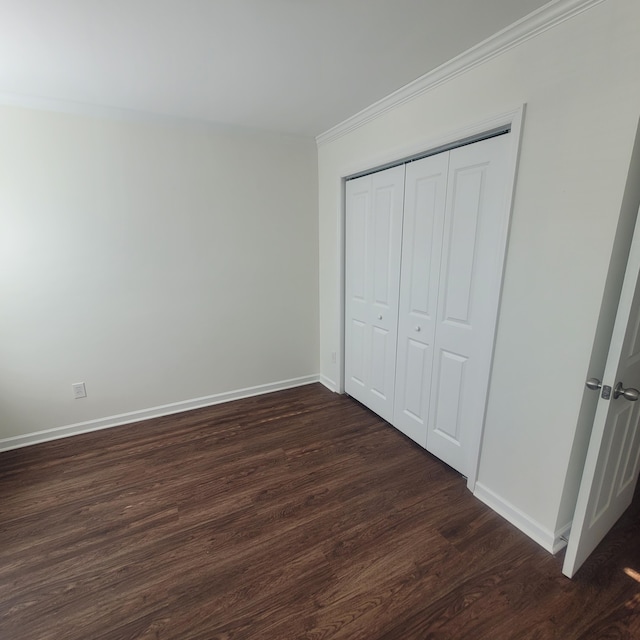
pixel 425 197
pixel 613 458
pixel 471 266
pixel 425 249
pixel 373 240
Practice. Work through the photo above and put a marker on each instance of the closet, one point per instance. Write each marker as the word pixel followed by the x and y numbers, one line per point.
pixel 424 256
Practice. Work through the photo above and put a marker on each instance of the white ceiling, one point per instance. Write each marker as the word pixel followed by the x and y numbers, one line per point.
pixel 292 66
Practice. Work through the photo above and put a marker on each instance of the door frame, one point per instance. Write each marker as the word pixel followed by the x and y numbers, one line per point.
pixel 512 118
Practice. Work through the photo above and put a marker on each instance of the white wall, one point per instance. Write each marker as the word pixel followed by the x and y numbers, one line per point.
pixel 579 81
pixel 156 262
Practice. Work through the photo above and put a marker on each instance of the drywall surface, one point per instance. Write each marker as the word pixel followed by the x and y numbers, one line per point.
pixel 579 82
pixel 157 263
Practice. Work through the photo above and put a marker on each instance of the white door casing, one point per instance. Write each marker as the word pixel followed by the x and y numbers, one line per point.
pixel 613 457
pixel 372 271
pixel 476 220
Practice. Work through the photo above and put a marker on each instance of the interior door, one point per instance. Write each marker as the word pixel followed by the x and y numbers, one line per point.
pixel 613 458
pixel 471 267
pixel 425 195
pixel 374 210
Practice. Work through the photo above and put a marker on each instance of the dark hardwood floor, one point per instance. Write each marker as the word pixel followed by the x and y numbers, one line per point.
pixel 298 514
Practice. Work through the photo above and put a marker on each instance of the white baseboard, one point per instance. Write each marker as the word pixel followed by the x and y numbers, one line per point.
pixel 548 540
pixel 46 435
pixel 329 383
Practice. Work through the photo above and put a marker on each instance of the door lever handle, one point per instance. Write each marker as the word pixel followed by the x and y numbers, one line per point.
pixel 629 394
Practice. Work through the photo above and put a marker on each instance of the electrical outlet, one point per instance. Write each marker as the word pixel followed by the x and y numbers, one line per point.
pixel 333 357
pixel 79 390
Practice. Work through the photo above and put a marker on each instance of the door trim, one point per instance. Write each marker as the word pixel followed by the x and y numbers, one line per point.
pixel 512 118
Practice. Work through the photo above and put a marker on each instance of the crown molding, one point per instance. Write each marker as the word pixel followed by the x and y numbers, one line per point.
pixel 532 25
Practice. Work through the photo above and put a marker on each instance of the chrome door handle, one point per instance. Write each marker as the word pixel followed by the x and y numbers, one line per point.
pixel 594 384
pixel 629 394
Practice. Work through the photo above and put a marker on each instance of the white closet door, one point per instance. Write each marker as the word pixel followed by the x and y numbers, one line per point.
pixel 373 245
pixel 475 225
pixel 425 194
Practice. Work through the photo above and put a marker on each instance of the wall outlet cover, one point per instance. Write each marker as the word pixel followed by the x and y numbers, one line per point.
pixel 79 390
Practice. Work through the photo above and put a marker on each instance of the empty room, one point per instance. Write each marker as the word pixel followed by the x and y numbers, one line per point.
pixel 319 319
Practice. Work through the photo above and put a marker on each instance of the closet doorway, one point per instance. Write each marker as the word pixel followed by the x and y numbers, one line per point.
pixel 425 244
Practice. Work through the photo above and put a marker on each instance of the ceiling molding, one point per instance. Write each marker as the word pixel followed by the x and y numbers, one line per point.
pixel 528 27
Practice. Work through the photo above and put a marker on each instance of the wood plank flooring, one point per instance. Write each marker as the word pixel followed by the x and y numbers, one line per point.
pixel 298 514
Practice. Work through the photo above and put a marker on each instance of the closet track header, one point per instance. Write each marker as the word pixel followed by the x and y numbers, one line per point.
pixel 493 133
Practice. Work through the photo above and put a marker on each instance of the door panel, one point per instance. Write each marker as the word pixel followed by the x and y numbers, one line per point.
pixel 356 355
pixel 383 269
pixel 613 442
pixel 613 458
pixel 461 242
pixel 379 375
pixel 356 305
pixel 373 241
pixel 417 368
pixel 426 184
pixel 450 377
pixel 476 217
pixel 357 258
